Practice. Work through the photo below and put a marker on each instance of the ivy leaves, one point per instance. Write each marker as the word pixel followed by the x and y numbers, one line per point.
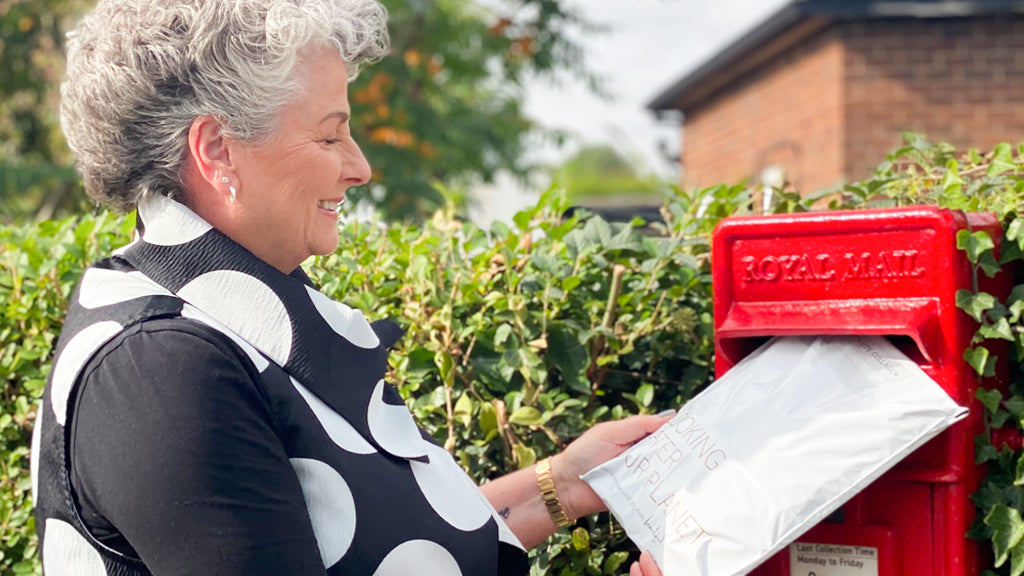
pixel 990 182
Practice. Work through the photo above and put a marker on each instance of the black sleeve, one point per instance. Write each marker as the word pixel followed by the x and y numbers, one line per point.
pixel 174 456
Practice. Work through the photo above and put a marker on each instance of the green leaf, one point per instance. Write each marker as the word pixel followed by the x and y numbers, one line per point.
pixel 981 361
pixel 1018 479
pixel 527 456
pixel 983 449
pixel 952 183
pixel 446 367
pixel 464 409
pixel 645 395
pixel 581 539
pixel 1015 303
pixel 626 239
pixel 1015 405
pixel 488 418
pixel 1002 160
pixel 989 398
pixel 1017 559
pixel 974 304
pixel 522 220
pixel 1008 530
pixel 614 561
pixel 989 265
pixel 526 416
pixel 501 335
pixel 569 356
pixel 999 418
pixel 1001 329
pixel 1015 230
pixel 974 244
pixel 598 231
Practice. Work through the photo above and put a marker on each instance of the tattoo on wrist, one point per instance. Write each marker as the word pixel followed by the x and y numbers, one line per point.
pixel 505 512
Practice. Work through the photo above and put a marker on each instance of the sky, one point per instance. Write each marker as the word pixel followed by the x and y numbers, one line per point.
pixel 649 46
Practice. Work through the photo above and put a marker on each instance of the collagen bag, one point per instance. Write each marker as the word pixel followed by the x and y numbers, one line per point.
pixel 768 450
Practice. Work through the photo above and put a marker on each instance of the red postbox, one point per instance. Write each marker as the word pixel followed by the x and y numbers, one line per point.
pixel 891 272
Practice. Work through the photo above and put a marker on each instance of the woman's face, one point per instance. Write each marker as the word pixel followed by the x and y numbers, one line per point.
pixel 290 188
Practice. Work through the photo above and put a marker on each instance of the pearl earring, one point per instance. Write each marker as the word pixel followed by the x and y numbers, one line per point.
pixel 224 179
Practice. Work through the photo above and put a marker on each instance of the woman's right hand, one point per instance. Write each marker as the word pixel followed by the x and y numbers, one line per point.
pixel 645 566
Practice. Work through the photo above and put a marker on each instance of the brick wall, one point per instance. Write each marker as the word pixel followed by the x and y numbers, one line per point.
pixel 831 108
pixel 788 111
pixel 956 81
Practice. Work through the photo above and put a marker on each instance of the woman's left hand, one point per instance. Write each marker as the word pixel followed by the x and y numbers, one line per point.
pixel 596 446
pixel 518 497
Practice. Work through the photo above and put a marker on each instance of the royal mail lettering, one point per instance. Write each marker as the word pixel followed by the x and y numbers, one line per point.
pixel 887 265
pixel 894 265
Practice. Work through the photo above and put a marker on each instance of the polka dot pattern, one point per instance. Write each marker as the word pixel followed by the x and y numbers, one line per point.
pixel 72 358
pixel 331 507
pixel 246 305
pixel 169 223
pixel 348 323
pixel 102 287
pixel 392 427
pixel 418 557
pixel 341 432
pixel 68 553
pixel 446 486
pixel 193 313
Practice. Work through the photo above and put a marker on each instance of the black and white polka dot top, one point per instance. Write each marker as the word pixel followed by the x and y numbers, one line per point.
pixel 380 498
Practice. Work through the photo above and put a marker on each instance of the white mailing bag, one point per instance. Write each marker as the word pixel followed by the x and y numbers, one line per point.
pixel 768 450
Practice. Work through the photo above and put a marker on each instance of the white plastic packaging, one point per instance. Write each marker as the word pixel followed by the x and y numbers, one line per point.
pixel 768 450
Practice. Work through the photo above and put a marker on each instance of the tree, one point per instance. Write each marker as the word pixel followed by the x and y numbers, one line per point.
pixel 36 177
pixel 445 107
pixel 600 171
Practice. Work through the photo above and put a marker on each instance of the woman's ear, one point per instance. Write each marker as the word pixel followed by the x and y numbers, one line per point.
pixel 210 150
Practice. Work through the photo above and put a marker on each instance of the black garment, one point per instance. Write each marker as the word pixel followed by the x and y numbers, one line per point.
pixel 169 408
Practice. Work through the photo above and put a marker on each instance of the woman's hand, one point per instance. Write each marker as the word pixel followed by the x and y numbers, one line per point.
pixel 645 566
pixel 596 446
pixel 517 497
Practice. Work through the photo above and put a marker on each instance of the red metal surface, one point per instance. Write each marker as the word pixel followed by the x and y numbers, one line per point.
pixel 891 272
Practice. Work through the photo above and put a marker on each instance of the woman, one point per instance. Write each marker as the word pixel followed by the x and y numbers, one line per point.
pixel 210 412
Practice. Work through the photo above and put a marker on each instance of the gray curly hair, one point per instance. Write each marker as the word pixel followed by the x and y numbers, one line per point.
pixel 140 71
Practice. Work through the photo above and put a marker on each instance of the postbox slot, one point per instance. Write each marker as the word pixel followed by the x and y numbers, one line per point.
pixel 747 325
pixel 909 347
pixel 742 347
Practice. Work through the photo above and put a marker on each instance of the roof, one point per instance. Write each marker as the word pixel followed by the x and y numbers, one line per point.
pixel 798 20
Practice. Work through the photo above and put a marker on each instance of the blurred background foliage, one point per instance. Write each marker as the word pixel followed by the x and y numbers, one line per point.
pixel 597 172
pixel 442 111
pixel 36 175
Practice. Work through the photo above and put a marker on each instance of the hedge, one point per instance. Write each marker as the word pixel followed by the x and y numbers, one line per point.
pixel 520 337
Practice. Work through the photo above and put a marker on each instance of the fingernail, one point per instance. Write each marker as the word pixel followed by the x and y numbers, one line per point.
pixel 668 412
